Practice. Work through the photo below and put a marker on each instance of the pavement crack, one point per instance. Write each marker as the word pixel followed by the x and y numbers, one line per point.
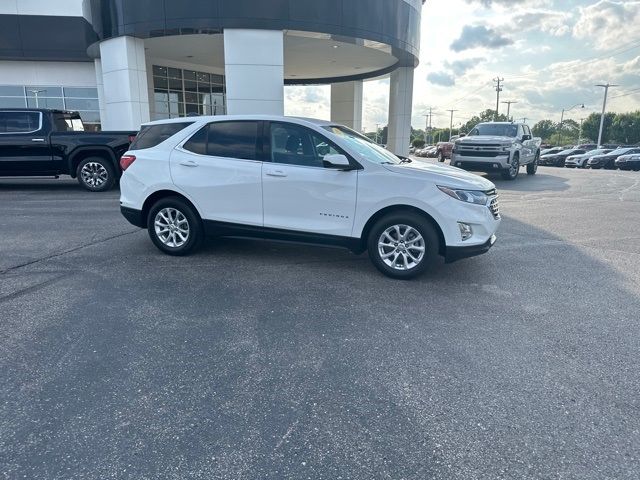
pixel 65 252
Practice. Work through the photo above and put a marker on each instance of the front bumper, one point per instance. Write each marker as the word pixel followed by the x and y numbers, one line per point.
pixel 481 164
pixel 133 216
pixel 454 254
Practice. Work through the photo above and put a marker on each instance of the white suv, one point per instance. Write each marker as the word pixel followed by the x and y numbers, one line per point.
pixel 301 180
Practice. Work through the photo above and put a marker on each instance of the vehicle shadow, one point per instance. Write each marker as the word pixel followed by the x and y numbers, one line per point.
pixel 540 182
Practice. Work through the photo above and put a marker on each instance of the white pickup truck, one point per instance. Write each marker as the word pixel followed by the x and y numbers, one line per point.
pixel 498 147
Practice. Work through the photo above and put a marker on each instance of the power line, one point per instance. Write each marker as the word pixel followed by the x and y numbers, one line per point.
pixel 630 92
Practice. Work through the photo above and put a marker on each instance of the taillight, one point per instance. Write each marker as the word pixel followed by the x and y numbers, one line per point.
pixel 126 161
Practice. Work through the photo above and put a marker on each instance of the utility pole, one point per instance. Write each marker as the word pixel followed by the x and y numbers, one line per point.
pixel 580 132
pixel 35 94
pixel 451 123
pixel 499 84
pixel 377 133
pixel 604 107
pixel 509 107
pixel 427 130
pixel 524 119
pixel 581 105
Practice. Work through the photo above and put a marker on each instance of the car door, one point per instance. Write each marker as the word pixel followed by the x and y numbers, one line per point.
pixel 24 148
pixel 300 193
pixel 528 146
pixel 220 168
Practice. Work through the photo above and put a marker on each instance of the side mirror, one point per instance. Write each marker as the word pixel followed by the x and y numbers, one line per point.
pixel 526 137
pixel 336 161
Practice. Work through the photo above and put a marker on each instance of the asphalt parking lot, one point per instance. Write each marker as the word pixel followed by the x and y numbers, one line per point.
pixel 268 360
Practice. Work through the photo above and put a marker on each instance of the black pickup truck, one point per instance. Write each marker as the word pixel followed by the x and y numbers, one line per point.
pixel 39 142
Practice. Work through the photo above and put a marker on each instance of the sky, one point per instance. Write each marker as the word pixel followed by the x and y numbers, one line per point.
pixel 551 54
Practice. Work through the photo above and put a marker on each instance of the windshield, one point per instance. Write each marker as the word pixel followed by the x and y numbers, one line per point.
pixel 571 151
pixel 622 151
pixel 361 144
pixel 495 130
pixel 601 151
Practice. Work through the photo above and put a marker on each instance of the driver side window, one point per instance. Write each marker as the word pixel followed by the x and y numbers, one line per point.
pixel 296 145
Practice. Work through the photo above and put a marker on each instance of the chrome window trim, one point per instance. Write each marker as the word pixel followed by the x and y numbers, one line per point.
pixel 23 133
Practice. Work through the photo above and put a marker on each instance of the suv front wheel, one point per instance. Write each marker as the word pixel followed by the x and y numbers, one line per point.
pixel 511 173
pixel 174 226
pixel 402 245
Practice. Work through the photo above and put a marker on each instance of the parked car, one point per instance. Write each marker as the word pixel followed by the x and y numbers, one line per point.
pixel 551 151
pixel 608 160
pixel 498 147
pixel 558 159
pixel 39 142
pixel 263 176
pixel 444 149
pixel 628 162
pixel 580 160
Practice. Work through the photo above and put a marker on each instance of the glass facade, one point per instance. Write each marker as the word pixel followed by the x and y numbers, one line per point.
pixel 81 99
pixel 181 93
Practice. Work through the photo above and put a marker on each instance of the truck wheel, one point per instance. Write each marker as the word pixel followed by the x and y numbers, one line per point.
pixel 96 174
pixel 402 245
pixel 174 226
pixel 532 168
pixel 512 172
pixel 440 156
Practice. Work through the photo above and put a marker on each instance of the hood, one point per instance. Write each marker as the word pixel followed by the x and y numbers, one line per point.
pixel 484 139
pixel 444 175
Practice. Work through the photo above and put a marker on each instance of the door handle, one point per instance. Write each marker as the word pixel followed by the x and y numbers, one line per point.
pixel 276 173
pixel 39 140
pixel 188 163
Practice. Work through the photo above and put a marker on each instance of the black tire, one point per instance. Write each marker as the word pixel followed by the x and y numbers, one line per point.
pixel 96 174
pixel 194 226
pixel 418 223
pixel 441 156
pixel 532 168
pixel 512 173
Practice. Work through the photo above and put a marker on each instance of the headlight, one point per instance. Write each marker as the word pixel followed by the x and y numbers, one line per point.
pixel 469 196
pixel 506 148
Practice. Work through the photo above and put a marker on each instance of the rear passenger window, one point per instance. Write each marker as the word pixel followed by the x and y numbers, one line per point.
pixel 153 135
pixel 19 122
pixel 226 139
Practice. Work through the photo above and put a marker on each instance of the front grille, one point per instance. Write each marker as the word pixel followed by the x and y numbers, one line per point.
pixel 479 153
pixel 494 206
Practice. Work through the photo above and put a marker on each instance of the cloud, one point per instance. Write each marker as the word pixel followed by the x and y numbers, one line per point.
pixel 460 67
pixel 548 21
pixel 605 21
pixel 443 79
pixel 490 3
pixel 479 36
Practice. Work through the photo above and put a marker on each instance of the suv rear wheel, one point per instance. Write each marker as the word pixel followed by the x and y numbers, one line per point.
pixel 532 168
pixel 174 226
pixel 96 174
pixel 402 245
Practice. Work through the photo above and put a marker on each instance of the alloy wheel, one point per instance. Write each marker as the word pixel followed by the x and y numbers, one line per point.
pixel 94 174
pixel 172 227
pixel 401 247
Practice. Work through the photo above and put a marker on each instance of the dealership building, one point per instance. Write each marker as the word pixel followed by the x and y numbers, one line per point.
pixel 121 63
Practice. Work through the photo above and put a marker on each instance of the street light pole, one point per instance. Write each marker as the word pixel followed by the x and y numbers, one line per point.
pixel 35 94
pixel 562 120
pixel 604 107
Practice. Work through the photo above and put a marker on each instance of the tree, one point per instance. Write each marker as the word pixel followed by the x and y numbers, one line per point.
pixel 625 128
pixel 545 129
pixel 591 126
pixel 418 142
pixel 486 116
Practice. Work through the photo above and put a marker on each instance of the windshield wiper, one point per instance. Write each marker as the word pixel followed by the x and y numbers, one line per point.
pixel 405 160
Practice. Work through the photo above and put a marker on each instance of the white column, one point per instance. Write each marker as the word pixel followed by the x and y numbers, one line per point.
pixel 124 77
pixel 346 104
pixel 400 105
pixel 100 87
pixel 254 71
